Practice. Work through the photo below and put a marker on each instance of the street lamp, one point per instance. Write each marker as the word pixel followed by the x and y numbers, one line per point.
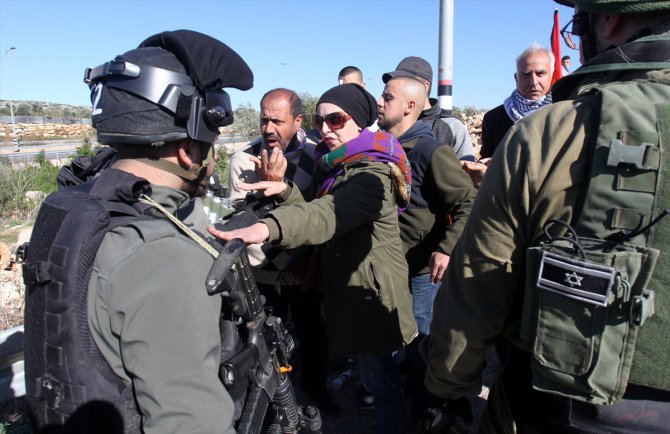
pixel 11 106
pixel 291 67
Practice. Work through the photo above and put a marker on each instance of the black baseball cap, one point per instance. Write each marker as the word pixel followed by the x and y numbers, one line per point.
pixel 412 67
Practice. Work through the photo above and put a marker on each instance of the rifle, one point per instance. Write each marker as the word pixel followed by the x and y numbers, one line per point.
pixel 263 364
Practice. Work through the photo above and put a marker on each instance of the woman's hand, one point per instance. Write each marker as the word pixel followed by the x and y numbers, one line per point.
pixel 268 188
pixel 254 234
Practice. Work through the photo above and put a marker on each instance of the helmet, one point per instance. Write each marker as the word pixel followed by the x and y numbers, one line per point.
pixel 167 89
pixel 618 6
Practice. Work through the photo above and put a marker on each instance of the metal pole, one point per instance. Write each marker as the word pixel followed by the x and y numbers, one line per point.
pixel 291 68
pixel 446 58
pixel 11 106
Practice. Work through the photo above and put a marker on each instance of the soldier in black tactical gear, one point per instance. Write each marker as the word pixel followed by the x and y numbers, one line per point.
pixel 120 331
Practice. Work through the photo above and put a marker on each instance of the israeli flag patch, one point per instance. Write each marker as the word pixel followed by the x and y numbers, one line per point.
pixel 576 279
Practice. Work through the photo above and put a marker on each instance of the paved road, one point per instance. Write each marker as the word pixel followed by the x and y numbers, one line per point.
pixel 53 150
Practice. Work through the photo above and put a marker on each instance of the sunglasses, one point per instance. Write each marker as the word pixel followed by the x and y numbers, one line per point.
pixel 580 27
pixel 335 121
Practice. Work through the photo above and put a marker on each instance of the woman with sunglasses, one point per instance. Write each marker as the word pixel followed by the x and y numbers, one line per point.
pixel 354 223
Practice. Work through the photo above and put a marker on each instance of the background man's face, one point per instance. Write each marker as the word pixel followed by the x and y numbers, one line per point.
pixel 567 63
pixel 533 75
pixel 352 77
pixel 391 105
pixel 278 127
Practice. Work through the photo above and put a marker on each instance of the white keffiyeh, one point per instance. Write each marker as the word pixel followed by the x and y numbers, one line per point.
pixel 517 106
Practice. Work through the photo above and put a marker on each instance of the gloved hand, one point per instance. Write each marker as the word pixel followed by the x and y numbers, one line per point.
pixel 442 413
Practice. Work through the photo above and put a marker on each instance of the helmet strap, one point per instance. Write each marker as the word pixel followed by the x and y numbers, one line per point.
pixel 196 174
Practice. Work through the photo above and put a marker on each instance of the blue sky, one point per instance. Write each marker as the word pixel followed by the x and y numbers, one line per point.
pixel 56 39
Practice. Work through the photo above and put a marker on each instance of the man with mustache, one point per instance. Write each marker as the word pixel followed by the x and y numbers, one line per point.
pixel 285 152
pixel 280 125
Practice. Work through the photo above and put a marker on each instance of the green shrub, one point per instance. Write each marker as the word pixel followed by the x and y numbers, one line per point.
pixel 15 182
pixel 222 163
pixel 86 149
pixel 308 109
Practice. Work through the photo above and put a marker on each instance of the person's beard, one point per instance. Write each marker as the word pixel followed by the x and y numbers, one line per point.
pixel 387 123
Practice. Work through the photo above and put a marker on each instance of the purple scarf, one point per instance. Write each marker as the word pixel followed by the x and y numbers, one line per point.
pixel 368 146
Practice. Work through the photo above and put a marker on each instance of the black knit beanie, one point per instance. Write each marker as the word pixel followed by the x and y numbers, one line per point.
pixel 354 100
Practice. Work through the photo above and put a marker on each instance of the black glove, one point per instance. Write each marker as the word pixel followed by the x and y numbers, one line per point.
pixel 442 413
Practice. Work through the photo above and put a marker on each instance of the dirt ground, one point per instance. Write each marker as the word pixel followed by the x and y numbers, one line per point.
pixel 358 421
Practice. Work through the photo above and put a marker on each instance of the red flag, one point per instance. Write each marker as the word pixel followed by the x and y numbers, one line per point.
pixel 556 49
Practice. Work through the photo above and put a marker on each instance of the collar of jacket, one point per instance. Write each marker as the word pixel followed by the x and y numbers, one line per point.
pixel 419 129
pixel 434 112
pixel 648 53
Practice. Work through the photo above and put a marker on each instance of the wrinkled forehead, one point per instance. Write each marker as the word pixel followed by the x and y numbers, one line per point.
pixel 538 61
pixel 276 107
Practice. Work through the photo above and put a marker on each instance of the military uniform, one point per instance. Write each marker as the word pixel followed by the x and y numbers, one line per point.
pixel 538 174
pixel 119 327
pixel 157 327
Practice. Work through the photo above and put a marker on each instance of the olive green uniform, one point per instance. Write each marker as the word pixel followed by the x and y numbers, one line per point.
pixel 538 173
pixel 155 325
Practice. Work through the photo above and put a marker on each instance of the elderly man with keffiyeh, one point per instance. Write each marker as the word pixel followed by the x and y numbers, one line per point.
pixel 534 68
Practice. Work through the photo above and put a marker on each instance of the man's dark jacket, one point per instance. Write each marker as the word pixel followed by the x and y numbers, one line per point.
pixel 442 196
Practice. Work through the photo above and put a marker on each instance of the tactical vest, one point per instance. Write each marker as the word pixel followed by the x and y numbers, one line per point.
pixel 65 371
pixel 597 298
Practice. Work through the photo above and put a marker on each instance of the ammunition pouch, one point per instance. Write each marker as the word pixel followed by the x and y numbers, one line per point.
pixel 585 301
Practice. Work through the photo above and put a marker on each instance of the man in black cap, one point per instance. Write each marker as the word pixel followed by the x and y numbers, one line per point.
pixel 442 196
pixel 121 335
pixel 447 128
pixel 560 257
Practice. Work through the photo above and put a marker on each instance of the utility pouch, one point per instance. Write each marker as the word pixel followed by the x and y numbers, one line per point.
pixel 585 300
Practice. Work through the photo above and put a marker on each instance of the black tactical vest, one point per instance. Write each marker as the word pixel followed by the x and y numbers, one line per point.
pixel 66 374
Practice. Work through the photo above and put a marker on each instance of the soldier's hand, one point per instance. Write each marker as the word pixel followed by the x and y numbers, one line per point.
pixel 442 413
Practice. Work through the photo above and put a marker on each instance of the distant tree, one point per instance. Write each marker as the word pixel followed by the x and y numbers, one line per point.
pixel 23 109
pixel 67 112
pixel 83 113
pixel 37 109
pixel 246 121
pixel 309 109
pixel 51 111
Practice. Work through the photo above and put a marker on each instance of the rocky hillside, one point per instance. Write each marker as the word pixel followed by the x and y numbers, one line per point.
pixel 45 131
